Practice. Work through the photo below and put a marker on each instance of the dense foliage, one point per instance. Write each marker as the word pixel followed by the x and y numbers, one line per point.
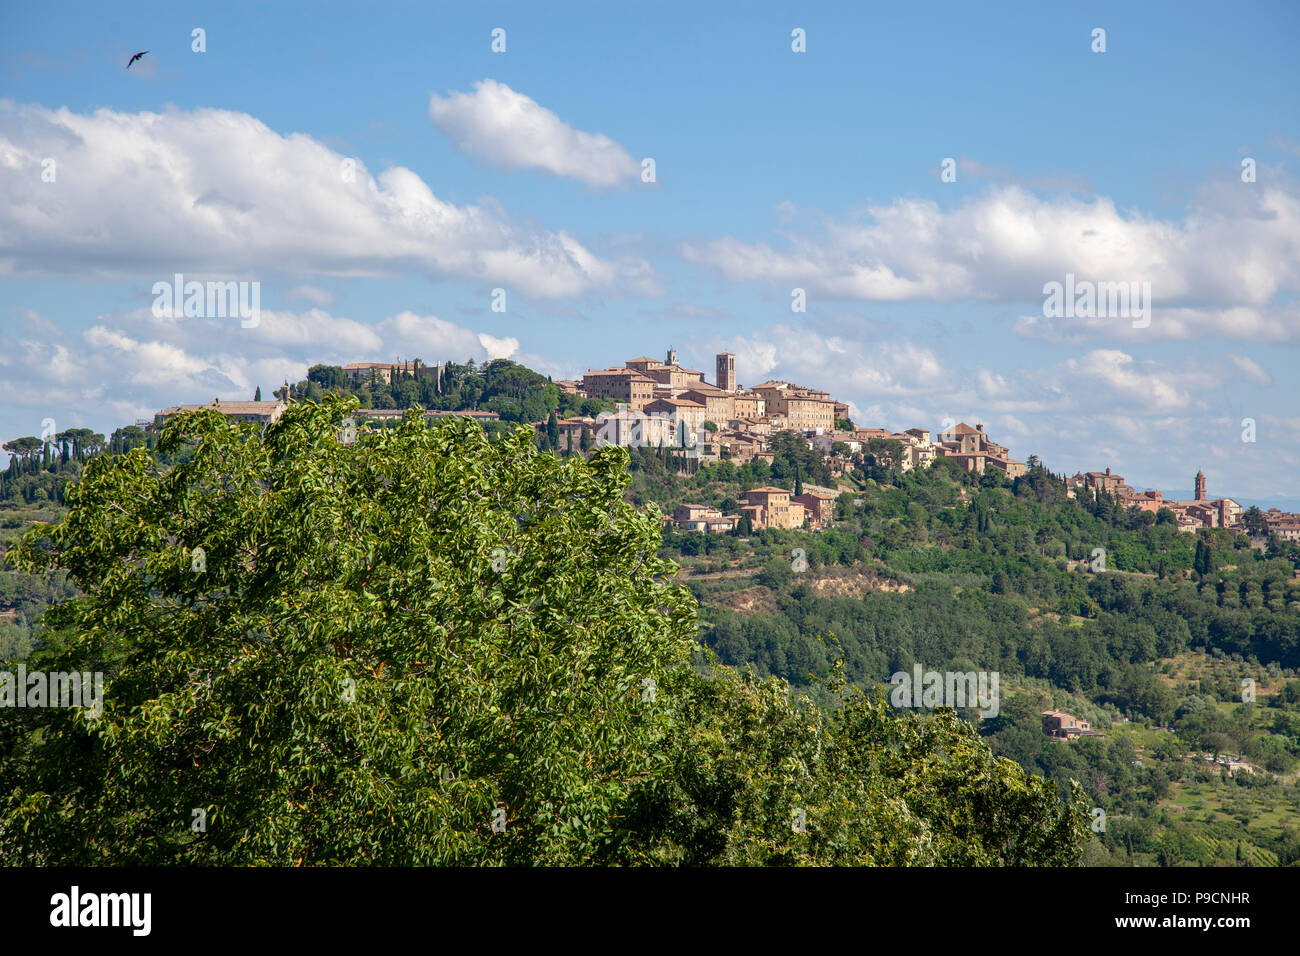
pixel 434 647
pixel 513 391
pixel 1113 614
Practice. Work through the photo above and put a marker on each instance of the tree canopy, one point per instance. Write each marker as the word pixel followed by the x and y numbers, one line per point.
pixel 425 646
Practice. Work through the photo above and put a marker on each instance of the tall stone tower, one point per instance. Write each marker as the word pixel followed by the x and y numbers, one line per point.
pixel 1200 486
pixel 672 356
pixel 726 379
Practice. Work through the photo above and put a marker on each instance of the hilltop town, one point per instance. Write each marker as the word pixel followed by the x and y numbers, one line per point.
pixel 662 400
pixel 662 404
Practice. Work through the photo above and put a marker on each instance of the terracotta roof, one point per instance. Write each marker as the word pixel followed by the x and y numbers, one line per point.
pixel 428 413
pixel 228 408
pixel 631 373
pixel 676 401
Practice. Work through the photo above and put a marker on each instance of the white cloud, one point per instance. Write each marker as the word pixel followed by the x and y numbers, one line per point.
pixel 149 194
pixel 498 348
pixel 511 130
pixel 1252 370
pixel 1014 425
pixel 1235 253
pixel 859 369
pixel 1279 323
pixel 1110 380
pixel 130 365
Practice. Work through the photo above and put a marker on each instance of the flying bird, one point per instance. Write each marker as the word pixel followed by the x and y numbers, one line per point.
pixel 136 57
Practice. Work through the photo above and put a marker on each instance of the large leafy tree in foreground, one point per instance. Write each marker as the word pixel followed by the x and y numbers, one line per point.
pixel 424 647
pixel 760 777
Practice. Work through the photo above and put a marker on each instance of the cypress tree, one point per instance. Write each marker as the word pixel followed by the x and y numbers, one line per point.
pixel 553 432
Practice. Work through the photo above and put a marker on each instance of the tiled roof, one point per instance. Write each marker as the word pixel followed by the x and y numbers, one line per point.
pixel 629 373
pixel 228 408
pixel 677 401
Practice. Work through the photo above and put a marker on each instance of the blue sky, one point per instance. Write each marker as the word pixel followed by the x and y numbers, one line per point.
pixel 819 170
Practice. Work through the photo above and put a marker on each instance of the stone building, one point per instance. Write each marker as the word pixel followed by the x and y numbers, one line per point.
pixel 262 413
pixel 630 386
pixel 364 373
pixel 771 507
pixel 1064 726
pixel 805 409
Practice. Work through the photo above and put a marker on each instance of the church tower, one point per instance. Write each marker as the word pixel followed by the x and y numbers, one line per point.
pixel 1200 486
pixel 672 356
pixel 726 368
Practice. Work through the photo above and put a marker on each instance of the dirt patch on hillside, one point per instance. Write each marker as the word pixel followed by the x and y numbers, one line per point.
pixel 760 600
pixel 854 584
pixel 691 574
pixel 755 600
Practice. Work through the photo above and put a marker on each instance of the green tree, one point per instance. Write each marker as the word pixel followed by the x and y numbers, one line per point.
pixel 1254 520
pixel 331 376
pixel 24 448
pixel 860 785
pixel 429 647
pixel 350 679
pixel 552 432
pixel 1203 563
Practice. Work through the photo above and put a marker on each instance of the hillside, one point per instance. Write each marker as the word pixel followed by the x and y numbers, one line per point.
pixel 953 572
pixel 964 574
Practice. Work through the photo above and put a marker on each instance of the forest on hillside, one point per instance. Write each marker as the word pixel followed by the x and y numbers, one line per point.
pixel 1110 613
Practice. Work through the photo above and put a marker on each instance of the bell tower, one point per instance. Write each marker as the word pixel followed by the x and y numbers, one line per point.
pixel 1200 486
pixel 726 377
